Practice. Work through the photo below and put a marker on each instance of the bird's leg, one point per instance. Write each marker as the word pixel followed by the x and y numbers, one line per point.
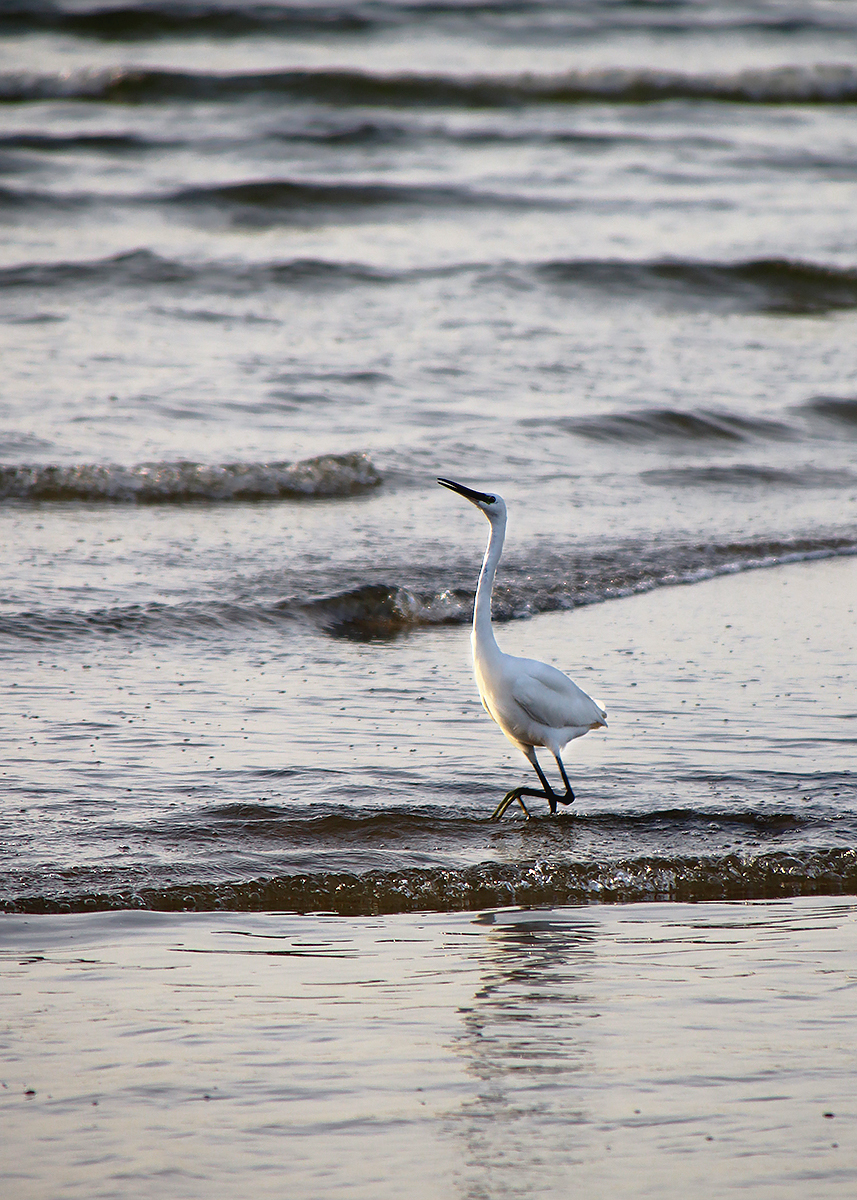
pixel 553 798
pixel 511 797
pixel 550 794
pixel 569 794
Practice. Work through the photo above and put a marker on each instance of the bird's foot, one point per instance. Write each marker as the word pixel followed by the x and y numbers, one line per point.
pixel 508 799
pixel 555 798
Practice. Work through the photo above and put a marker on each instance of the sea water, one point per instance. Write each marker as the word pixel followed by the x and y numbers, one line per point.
pixel 265 272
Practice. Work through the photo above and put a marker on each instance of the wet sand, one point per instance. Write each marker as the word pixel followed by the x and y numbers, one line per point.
pixel 635 1050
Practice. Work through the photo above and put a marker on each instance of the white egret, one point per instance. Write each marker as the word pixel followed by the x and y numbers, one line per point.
pixel 533 703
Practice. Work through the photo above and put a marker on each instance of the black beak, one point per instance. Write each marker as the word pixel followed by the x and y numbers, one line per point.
pixel 466 492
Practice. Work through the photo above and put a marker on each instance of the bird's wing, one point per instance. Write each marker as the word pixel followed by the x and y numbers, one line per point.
pixel 551 698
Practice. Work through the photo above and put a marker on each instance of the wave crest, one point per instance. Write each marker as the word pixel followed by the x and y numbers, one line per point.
pixel 181 482
pixel 750 475
pixel 132 20
pixel 165 19
pixel 768 285
pixel 667 424
pixel 142 268
pixel 821 83
pixel 840 409
pixel 382 610
pixel 488 885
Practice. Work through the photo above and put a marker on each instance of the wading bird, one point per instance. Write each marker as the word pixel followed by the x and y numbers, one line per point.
pixel 533 703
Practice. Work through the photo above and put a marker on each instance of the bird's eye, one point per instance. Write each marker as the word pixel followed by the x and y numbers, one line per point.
pixel 492 499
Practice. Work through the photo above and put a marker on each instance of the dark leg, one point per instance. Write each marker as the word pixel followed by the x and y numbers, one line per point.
pixel 553 798
pixel 569 794
pixel 511 797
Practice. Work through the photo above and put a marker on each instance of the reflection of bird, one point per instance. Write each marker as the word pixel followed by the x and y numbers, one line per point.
pixel 533 703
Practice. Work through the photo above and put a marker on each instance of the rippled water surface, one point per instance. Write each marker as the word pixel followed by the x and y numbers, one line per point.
pixel 645 1050
pixel 265 272
pixel 212 763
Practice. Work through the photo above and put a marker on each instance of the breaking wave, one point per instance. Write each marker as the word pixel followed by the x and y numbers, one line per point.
pixel 487 885
pixel 384 610
pixel 183 482
pixel 375 610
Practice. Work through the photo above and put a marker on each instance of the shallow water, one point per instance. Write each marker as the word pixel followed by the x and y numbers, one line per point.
pixel 298 771
pixel 645 1050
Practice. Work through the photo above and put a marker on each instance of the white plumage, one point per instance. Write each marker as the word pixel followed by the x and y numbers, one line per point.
pixel 532 702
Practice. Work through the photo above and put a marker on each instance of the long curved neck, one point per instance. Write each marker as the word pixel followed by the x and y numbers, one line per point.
pixel 483 634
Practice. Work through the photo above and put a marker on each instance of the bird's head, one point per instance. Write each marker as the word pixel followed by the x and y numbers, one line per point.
pixel 489 503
